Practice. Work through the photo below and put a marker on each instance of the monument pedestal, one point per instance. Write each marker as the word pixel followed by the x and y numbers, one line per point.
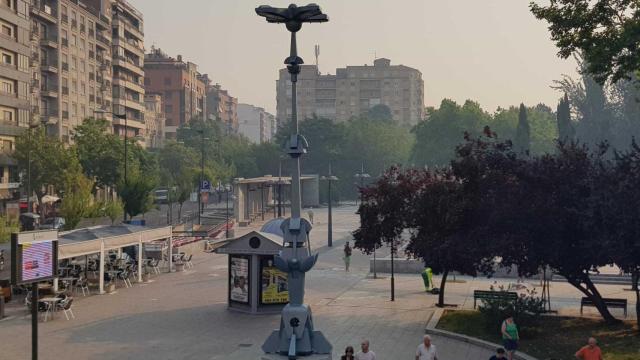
pixel 284 357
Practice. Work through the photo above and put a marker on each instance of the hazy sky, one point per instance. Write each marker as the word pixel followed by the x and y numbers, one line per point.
pixel 491 51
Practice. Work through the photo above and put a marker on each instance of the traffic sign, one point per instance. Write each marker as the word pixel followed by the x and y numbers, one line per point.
pixel 205 185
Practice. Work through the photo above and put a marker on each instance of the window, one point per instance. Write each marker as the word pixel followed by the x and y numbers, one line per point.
pixel 74 40
pixel 6 29
pixel 167 81
pixel 74 62
pixel 83 88
pixel 147 81
pixel 65 106
pixel 7 86
pixel 7 114
pixel 7 58
pixel 83 110
pixel 74 86
pixel 168 94
pixel 82 44
pixel 63 34
pixel 74 109
pixel 7 146
pixel 82 66
pixel 168 109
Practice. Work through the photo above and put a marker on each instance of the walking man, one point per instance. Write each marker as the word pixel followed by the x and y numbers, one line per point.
pixel 591 351
pixel 347 256
pixel 500 354
pixel 426 350
pixel 310 213
pixel 365 354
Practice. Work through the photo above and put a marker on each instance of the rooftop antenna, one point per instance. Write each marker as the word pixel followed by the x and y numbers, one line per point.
pixel 317 52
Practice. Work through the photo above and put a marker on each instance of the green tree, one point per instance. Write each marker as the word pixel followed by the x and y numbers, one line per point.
pixel 136 194
pixel 380 112
pixel 605 32
pixel 113 210
pixel 566 131
pixel 523 137
pixel 51 161
pixel 99 152
pixel 7 228
pixel 77 201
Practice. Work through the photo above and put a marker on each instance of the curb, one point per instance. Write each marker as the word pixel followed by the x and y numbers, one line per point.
pixel 431 330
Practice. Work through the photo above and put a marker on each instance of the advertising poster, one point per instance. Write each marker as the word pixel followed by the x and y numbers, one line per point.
pixel 37 260
pixel 239 279
pixel 274 284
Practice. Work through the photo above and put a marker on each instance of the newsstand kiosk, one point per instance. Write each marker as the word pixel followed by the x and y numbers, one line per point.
pixel 256 286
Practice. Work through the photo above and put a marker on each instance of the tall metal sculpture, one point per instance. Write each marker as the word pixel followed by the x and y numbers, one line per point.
pixel 296 336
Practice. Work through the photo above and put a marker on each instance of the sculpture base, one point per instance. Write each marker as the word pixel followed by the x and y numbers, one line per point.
pixel 284 357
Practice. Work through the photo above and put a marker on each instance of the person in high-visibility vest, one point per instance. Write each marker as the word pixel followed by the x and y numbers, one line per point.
pixel 427 278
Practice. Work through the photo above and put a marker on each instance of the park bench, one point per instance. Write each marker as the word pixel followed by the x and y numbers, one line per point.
pixel 493 295
pixel 609 303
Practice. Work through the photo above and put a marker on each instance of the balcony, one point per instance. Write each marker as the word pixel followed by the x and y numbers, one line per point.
pixel 44 11
pixel 105 19
pixel 103 40
pixel 48 67
pixel 65 90
pixel 35 84
pixel 92 54
pixel 65 42
pixel 64 18
pixel 49 90
pixel 82 28
pixel 92 98
pixel 65 66
pixel 49 42
pixel 74 24
pixel 92 76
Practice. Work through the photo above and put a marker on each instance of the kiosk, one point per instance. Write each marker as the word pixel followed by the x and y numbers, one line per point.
pixel 256 286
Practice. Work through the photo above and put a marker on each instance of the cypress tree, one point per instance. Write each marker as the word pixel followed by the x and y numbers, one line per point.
pixel 566 131
pixel 523 137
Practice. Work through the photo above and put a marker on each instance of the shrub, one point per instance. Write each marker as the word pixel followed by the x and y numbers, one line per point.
pixel 526 310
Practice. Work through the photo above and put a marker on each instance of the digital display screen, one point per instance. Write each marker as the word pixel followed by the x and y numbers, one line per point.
pixel 37 260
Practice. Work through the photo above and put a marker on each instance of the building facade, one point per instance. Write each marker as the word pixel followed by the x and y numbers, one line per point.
pixel 221 106
pixel 17 92
pixel 255 123
pixel 181 86
pixel 128 74
pixel 352 91
pixel 154 120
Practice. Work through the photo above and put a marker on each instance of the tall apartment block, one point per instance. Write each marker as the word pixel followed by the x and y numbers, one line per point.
pixel 154 120
pixel 352 91
pixel 181 86
pixel 128 73
pixel 15 91
pixel 255 123
pixel 221 106
pixel 89 57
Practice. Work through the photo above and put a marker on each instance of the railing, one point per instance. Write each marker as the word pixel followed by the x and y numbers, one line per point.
pixel 102 39
pixel 104 18
pixel 64 18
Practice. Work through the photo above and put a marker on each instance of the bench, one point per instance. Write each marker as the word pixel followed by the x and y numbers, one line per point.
pixel 493 295
pixel 609 303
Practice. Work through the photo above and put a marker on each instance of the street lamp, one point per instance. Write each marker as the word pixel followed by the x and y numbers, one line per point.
pixel 229 189
pixel 329 178
pixel 298 337
pixel 126 140
pixel 363 175
pixel 200 184
pixel 31 126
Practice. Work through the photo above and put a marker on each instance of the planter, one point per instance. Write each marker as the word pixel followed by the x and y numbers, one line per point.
pixel 145 277
pixel 111 287
pixel 179 267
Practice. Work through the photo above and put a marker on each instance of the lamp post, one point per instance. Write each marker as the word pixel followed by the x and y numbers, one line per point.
pixel 329 178
pixel 31 126
pixel 298 337
pixel 363 175
pixel 126 140
pixel 228 188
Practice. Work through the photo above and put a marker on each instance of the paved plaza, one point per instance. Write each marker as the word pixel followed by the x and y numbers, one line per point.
pixel 184 315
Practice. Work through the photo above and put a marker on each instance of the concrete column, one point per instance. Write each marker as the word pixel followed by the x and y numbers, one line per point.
pixel 55 284
pixel 254 274
pixel 140 259
pixel 101 275
pixel 170 252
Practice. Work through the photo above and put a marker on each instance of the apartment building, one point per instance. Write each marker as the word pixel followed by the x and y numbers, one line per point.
pixel 15 92
pixel 352 91
pixel 154 120
pixel 128 69
pixel 221 106
pixel 255 123
pixel 181 86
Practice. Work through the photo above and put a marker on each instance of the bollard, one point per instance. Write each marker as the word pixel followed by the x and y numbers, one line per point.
pixel 1 307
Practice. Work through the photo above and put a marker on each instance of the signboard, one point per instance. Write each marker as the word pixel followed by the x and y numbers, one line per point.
pixel 204 197
pixel 13 211
pixel 34 256
pixel 239 279
pixel 274 286
pixel 205 185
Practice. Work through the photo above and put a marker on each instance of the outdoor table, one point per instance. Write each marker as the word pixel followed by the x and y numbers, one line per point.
pixel 52 305
pixel 68 281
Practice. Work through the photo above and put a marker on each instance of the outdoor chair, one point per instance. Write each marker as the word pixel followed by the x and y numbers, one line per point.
pixel 124 276
pixel 82 285
pixel 155 265
pixel 65 305
pixel 188 262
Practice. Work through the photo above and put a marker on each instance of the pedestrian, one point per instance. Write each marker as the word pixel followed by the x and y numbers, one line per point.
pixel 510 336
pixel 347 255
pixel 591 351
pixel 426 350
pixel 499 354
pixel 348 353
pixel 310 213
pixel 365 354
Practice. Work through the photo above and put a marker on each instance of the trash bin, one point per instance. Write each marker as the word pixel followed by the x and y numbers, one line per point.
pixel 426 279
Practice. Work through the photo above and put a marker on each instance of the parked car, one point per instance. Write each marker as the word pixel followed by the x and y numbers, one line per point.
pixel 54 223
pixel 161 196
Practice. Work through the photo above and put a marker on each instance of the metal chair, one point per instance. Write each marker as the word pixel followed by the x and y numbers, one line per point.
pixel 188 261
pixel 65 306
pixel 82 285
